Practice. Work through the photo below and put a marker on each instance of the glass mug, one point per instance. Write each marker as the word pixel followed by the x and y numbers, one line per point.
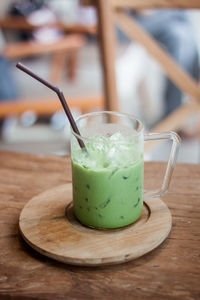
pixel 107 173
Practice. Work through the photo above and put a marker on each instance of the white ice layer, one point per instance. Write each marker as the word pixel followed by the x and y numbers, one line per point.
pixel 114 151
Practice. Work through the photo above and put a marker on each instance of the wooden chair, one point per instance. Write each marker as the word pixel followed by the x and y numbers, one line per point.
pixel 111 12
pixel 46 107
pixel 63 50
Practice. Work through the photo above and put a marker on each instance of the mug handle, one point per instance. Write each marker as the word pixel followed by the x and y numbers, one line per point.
pixel 171 162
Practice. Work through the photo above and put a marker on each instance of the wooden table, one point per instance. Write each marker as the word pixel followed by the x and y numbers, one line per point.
pixel 172 271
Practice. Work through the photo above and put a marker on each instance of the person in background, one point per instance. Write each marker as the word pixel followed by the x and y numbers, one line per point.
pixel 173 30
pixel 8 87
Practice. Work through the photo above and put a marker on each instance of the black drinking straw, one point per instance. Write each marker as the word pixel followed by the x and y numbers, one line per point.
pixel 60 96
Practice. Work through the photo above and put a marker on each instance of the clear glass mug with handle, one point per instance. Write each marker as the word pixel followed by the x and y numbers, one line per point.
pixel 107 174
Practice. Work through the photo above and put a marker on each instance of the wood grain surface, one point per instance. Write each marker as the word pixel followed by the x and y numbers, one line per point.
pixel 171 271
pixel 48 225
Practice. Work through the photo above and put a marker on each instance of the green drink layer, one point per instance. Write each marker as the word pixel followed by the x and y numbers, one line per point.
pixel 108 198
pixel 108 177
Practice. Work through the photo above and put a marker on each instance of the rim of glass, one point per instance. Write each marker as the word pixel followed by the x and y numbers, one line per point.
pixel 129 116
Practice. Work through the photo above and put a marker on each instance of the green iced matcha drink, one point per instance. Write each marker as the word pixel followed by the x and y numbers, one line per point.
pixel 108 180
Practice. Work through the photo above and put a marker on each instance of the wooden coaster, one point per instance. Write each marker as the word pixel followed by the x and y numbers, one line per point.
pixel 48 225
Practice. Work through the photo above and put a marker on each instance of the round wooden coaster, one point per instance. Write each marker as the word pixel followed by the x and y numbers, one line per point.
pixel 48 225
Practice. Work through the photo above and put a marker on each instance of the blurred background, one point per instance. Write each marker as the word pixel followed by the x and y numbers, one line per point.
pixel 58 40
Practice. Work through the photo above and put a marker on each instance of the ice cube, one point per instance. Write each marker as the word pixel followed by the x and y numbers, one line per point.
pixel 108 152
pixel 117 136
